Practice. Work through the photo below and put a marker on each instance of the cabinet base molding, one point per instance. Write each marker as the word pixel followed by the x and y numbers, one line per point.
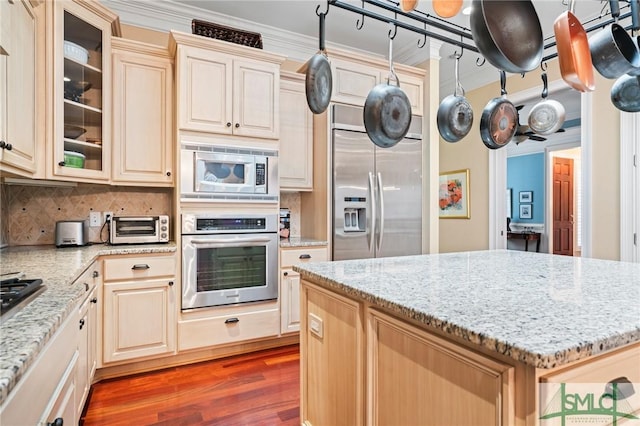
pixel 192 357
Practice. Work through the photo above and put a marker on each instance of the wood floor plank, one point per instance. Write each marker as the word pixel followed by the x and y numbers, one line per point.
pixel 259 388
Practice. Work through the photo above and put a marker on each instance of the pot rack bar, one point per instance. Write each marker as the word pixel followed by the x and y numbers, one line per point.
pixel 451 29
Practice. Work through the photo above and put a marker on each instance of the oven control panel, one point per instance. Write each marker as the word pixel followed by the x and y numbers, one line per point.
pixel 228 224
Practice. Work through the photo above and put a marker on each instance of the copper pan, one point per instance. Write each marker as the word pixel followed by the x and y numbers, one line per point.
pixel 408 5
pixel 574 55
pixel 447 8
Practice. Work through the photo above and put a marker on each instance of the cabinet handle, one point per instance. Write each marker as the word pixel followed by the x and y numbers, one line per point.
pixel 624 388
pixel 304 256
pixel 86 286
pixel 94 300
pixel 285 274
pixel 168 173
pixel 237 125
pixel 95 274
pixel 228 124
pixel 231 320
pixel 171 283
pixel 81 323
pixel 62 164
pixel 57 422
pixel 140 266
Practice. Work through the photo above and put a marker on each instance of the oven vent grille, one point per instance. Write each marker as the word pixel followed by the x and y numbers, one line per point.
pixel 229 150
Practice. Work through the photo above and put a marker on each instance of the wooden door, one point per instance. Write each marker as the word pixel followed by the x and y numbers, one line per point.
pixel 563 206
pixel 256 99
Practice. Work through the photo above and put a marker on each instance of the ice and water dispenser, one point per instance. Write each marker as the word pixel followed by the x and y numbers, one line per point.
pixel 355 215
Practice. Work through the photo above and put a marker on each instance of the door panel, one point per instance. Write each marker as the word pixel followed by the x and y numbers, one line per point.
pixel 563 206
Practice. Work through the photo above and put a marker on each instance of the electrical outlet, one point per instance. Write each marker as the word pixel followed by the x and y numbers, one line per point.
pixel 94 219
pixel 108 216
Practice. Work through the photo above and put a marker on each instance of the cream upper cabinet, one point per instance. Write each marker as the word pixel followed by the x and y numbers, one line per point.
pixel 296 134
pixel 226 88
pixel 140 303
pixel 143 114
pixel 354 75
pixel 18 87
pixel 79 105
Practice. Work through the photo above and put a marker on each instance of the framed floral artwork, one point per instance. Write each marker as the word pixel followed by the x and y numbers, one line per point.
pixel 453 195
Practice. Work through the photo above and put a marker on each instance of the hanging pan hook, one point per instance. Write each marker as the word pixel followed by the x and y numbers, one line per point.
pixel 360 21
pixel 480 62
pixel 395 31
pixel 424 40
pixel 543 66
pixel 322 13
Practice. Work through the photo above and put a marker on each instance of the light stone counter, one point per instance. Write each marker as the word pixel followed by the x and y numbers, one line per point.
pixel 25 334
pixel 301 242
pixel 540 309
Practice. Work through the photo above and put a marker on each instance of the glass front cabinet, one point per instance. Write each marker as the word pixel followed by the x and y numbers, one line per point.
pixel 80 93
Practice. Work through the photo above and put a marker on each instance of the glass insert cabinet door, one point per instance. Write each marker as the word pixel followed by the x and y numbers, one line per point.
pixel 82 106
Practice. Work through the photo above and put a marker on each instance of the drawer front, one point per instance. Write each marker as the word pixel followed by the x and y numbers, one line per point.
pixel 289 257
pixel 134 268
pixel 623 363
pixel 230 328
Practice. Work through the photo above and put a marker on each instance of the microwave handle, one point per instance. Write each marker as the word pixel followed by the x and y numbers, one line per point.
pixel 230 243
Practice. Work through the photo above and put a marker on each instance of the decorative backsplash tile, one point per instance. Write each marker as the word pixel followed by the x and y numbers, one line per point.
pixel 29 213
pixel 291 200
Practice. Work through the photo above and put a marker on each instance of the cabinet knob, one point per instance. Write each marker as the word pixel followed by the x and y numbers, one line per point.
pixel 171 283
pixel 62 164
pixel 620 388
pixel 8 147
pixel 140 266
pixel 94 300
pixel 228 124
pixel 3 143
pixel 168 173
pixel 81 323
pixel 231 320
pixel 95 274
pixel 57 422
pixel 237 125
pixel 285 274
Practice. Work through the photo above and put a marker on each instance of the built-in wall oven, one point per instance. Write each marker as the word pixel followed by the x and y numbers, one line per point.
pixel 228 259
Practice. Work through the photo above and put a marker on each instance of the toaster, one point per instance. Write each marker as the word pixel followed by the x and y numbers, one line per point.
pixel 72 233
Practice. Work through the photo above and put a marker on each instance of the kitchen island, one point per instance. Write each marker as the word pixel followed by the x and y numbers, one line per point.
pixel 462 338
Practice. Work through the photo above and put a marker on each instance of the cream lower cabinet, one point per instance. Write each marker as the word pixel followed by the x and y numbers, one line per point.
pixel 140 302
pixel 290 283
pixel 18 104
pixel 142 114
pixel 296 135
pixel 225 88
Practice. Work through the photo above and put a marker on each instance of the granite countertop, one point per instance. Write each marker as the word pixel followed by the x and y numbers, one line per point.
pixel 540 309
pixel 301 242
pixel 25 334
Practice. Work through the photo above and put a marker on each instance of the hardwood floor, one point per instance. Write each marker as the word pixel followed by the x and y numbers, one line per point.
pixel 260 388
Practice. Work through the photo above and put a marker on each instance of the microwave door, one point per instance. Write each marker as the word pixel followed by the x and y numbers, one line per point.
pixel 224 174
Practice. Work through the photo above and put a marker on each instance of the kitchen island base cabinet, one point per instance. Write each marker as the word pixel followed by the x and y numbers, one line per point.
pixel 331 342
pixel 418 378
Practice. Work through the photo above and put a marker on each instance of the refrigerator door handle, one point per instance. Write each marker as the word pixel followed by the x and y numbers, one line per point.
pixel 372 209
pixel 380 215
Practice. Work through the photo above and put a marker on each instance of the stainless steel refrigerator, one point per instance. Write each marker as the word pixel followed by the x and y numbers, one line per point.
pixel 376 192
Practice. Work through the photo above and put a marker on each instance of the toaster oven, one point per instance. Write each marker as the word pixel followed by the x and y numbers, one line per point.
pixel 139 229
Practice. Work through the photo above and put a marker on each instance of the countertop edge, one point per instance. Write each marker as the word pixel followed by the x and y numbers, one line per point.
pixel 542 361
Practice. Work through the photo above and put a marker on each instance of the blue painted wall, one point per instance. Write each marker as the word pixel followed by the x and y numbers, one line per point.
pixel 526 173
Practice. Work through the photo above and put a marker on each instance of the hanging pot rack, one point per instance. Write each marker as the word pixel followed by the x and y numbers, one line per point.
pixel 388 11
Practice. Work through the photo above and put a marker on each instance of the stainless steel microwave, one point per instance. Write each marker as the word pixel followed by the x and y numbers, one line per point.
pixel 139 229
pixel 209 172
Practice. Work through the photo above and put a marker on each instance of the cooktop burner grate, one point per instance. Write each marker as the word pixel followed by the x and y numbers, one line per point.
pixel 14 290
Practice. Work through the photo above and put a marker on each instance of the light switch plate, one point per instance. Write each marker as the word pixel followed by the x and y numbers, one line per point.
pixel 316 325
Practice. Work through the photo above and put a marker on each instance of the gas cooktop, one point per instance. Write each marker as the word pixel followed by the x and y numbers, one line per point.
pixel 16 292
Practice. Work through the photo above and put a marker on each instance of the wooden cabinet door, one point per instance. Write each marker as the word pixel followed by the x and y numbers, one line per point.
pixel 204 80
pixel 331 345
pixel 142 121
pixel 18 88
pixel 290 301
pixel 296 135
pixel 413 87
pixel 352 82
pixel 418 378
pixel 139 319
pixel 256 99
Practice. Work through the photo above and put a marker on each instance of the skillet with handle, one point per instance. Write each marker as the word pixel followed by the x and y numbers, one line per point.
pixel 318 80
pixel 625 92
pixel 455 115
pixel 548 115
pixel 499 120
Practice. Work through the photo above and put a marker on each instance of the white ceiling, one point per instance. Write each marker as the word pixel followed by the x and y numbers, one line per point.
pixel 293 26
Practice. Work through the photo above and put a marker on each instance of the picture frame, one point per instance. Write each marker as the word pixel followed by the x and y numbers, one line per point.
pixel 526 196
pixel 453 195
pixel 526 211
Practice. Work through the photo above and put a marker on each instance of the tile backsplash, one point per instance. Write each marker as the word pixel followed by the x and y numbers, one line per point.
pixel 291 200
pixel 28 214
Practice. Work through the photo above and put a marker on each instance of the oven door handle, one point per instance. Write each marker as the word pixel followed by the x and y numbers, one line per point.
pixel 230 243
